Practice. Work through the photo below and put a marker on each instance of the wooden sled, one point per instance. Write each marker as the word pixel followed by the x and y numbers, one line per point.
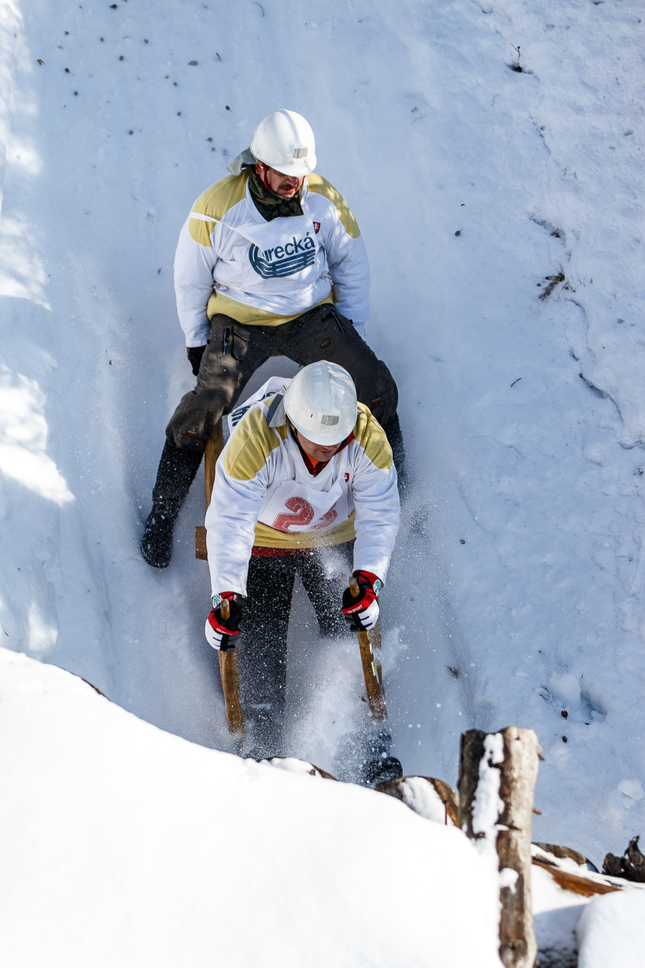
pixel 369 642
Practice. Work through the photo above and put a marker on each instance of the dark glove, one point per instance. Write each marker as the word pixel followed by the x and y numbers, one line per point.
pixel 362 612
pixel 222 632
pixel 194 354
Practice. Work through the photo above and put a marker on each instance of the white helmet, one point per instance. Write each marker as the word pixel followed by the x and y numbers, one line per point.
pixel 321 403
pixel 285 141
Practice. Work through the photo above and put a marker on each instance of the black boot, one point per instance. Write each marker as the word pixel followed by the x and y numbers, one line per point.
pixel 177 469
pixel 364 757
pixel 379 771
pixel 395 439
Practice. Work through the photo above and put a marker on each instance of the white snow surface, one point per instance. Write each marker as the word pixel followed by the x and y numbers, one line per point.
pixel 420 796
pixel 516 594
pixel 611 931
pixel 556 914
pixel 139 848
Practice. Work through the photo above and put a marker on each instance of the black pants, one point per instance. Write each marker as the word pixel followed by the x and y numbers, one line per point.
pixel 263 643
pixel 236 351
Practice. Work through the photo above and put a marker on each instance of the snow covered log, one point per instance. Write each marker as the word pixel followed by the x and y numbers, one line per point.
pixel 427 796
pixel 497 775
pixel 585 886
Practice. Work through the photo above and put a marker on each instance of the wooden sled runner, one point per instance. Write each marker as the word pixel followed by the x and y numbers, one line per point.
pixel 213 449
pixel 228 661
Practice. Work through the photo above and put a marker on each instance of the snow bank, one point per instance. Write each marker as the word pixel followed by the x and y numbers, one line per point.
pixel 555 915
pixel 611 931
pixel 127 845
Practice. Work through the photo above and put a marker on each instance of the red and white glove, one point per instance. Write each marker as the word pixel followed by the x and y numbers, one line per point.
pixel 222 632
pixel 362 612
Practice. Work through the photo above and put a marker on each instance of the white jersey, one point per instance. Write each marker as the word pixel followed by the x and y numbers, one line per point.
pixel 264 495
pixel 230 260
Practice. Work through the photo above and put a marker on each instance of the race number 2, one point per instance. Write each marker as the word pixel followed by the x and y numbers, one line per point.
pixel 302 515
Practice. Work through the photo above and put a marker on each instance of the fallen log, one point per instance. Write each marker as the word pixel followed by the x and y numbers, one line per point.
pixel 575 883
pixel 427 796
pixel 293 765
pixel 631 865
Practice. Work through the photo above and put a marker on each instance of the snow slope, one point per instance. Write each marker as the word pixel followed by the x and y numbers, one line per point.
pixel 139 849
pixel 517 593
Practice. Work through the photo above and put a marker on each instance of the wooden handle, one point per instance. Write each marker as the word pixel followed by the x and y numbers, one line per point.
pixel 371 665
pixel 229 674
pixel 214 447
pixel 372 674
pixel 228 661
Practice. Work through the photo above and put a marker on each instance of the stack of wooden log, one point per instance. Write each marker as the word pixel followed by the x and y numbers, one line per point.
pixel 494 807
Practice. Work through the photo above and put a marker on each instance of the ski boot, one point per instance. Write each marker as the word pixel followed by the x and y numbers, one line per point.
pixel 364 758
pixel 379 771
pixel 177 469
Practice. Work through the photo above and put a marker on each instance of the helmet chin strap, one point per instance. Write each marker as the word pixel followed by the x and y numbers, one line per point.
pixel 297 435
pixel 263 171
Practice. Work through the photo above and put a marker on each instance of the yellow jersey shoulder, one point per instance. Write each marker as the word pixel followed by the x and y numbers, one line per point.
pixel 250 446
pixel 369 435
pixel 214 203
pixel 320 186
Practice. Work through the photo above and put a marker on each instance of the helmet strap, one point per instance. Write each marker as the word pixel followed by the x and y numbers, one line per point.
pixel 263 176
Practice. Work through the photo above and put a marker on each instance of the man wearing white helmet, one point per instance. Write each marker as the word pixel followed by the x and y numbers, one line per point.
pixel 305 485
pixel 269 262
